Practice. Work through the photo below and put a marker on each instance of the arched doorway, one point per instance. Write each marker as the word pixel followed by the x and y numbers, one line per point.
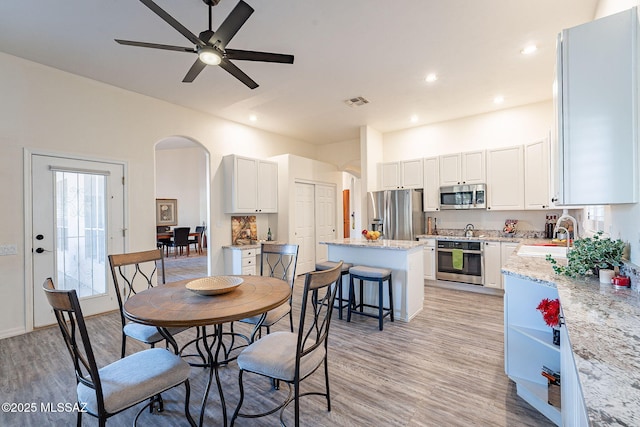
pixel 182 174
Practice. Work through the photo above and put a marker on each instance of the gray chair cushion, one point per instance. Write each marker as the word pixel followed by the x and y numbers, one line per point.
pixel 275 356
pixel 134 379
pixel 373 272
pixel 147 334
pixel 272 316
pixel 327 265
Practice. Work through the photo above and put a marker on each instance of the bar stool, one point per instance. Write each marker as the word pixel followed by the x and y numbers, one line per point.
pixel 370 274
pixel 327 265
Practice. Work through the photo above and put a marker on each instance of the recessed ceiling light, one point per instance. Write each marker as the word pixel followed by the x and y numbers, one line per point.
pixel 253 118
pixel 431 77
pixel 498 99
pixel 528 50
pixel 414 119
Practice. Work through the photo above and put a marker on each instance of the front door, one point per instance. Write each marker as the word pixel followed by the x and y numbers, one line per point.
pixel 77 220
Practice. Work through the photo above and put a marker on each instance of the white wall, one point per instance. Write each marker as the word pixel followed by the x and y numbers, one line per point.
pixel 609 7
pixel 502 128
pixel 46 109
pixel 180 174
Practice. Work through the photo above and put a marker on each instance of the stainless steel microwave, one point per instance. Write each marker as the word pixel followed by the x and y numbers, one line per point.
pixel 472 196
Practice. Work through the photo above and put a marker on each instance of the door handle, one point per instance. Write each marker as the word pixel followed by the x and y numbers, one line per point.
pixel 41 250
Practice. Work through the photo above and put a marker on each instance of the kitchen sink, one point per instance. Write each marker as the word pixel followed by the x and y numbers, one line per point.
pixel 542 251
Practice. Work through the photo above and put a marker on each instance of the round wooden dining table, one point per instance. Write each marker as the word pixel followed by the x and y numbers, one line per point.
pixel 173 305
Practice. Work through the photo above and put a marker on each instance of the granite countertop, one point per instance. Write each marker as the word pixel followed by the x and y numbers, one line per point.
pixel 603 324
pixel 257 245
pixel 402 245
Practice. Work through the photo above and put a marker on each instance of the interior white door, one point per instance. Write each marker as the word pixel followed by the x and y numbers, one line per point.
pixel 305 228
pixel 77 220
pixel 325 219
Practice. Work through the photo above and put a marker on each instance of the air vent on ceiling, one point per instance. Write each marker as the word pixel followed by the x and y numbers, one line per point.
pixel 357 101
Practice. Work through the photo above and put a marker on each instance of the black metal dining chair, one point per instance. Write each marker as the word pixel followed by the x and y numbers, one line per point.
pixel 277 260
pixel 104 392
pixel 291 357
pixel 134 272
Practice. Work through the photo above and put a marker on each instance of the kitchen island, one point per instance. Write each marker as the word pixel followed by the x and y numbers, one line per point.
pixel 403 257
pixel 599 353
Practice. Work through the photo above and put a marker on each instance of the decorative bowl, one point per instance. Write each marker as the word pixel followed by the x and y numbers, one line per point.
pixel 214 285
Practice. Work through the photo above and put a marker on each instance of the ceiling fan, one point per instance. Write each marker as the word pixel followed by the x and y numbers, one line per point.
pixel 211 46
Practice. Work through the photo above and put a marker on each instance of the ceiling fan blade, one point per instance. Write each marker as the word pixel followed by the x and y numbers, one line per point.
pixel 238 74
pixel 232 24
pixel 193 72
pixel 155 45
pixel 249 55
pixel 172 21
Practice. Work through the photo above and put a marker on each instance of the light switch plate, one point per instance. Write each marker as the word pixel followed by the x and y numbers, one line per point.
pixel 8 250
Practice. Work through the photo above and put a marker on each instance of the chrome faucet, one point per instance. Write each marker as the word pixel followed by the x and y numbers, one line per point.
pixel 566 217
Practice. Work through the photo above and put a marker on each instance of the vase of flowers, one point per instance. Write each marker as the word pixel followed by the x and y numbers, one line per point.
pixel 550 310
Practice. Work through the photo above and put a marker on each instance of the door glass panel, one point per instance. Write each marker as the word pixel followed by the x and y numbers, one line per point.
pixel 80 201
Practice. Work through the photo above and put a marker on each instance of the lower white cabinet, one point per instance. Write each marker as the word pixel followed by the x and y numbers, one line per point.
pixel 492 265
pixel 429 259
pixel 238 260
pixel 574 411
pixel 496 255
pixel 528 343
pixel 506 249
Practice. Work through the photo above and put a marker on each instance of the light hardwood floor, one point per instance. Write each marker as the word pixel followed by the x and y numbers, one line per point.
pixel 444 368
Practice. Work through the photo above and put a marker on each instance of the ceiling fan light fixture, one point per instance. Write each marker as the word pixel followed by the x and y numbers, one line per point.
pixel 209 56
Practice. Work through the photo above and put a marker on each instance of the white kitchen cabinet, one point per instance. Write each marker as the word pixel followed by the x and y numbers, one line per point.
pixel 506 250
pixel 505 178
pixel 536 175
pixel 251 185
pixel 574 411
pixel 529 342
pixel 238 260
pixel 404 174
pixel 429 258
pixel 463 168
pixel 492 265
pixel 597 112
pixel 431 193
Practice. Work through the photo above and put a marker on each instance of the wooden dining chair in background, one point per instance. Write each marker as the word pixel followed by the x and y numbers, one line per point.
pixel 179 241
pixel 197 241
pixel 135 272
pixel 122 384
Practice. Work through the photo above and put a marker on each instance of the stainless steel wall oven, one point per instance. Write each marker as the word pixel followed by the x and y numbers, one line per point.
pixel 460 261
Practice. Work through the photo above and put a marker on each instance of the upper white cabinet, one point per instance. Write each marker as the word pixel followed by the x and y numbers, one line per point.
pixel 251 185
pixel 536 175
pixel 431 194
pixel 405 174
pixel 596 102
pixel 505 178
pixel 463 168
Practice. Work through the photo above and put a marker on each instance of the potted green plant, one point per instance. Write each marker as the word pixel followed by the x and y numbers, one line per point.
pixel 589 255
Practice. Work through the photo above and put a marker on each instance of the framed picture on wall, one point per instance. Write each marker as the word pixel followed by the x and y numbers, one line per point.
pixel 166 212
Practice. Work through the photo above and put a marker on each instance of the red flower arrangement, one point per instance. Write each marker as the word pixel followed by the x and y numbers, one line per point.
pixel 550 310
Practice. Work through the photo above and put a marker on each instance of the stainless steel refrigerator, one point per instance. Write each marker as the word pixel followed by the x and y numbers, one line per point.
pixel 397 214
